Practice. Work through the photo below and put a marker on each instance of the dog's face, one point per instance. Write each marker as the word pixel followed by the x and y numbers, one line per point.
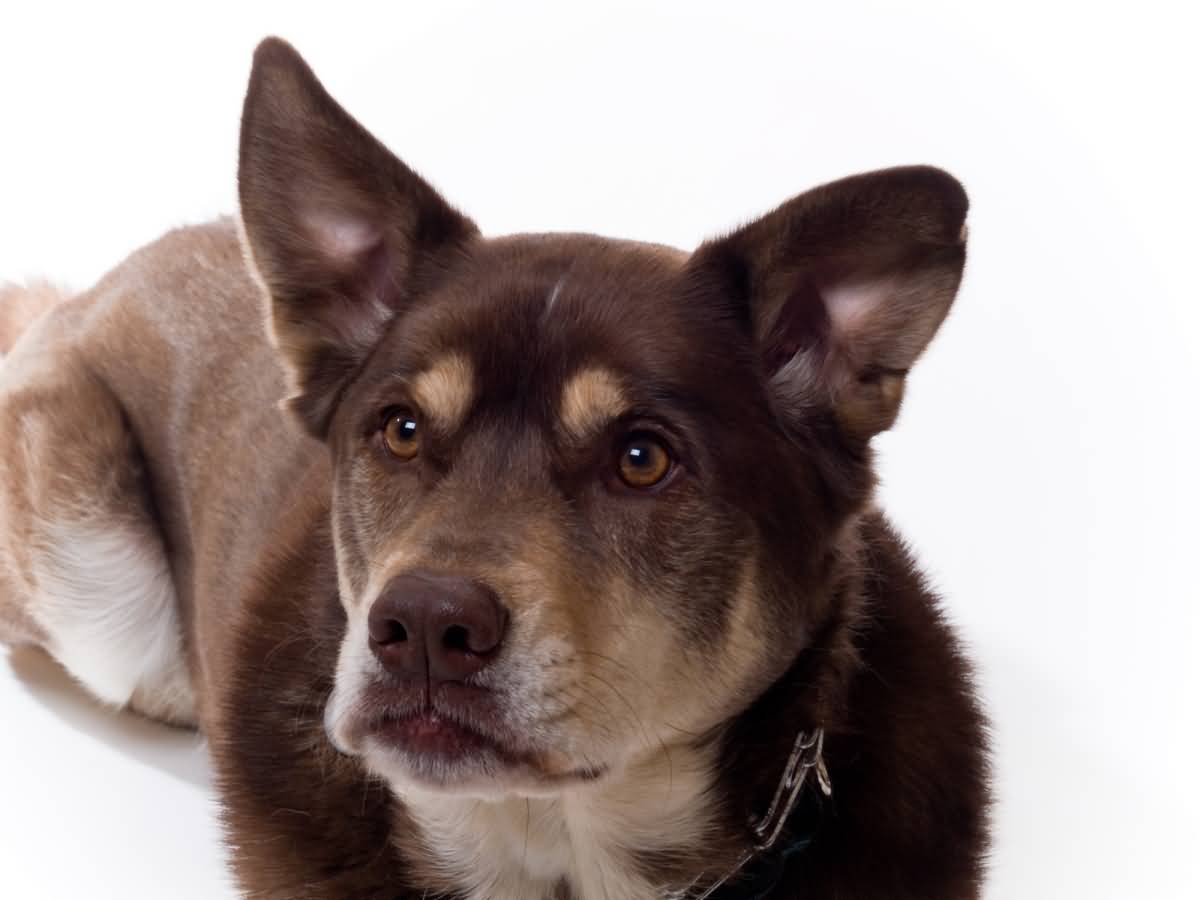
pixel 558 424
pixel 586 492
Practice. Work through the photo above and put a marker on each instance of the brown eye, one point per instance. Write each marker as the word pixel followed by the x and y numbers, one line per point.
pixel 402 434
pixel 644 461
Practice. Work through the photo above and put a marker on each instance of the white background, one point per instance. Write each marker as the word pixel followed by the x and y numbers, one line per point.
pixel 1044 465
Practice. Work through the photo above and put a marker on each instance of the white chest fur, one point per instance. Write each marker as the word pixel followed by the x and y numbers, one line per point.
pixel 586 838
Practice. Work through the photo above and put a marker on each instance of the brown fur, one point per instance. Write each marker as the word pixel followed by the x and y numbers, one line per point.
pixel 755 592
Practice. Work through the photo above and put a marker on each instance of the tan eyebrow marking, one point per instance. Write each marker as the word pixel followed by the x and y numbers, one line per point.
pixel 590 400
pixel 445 391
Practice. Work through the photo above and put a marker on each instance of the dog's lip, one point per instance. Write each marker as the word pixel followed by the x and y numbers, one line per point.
pixel 449 736
pixel 436 737
pixel 430 733
pixel 410 717
pixel 453 725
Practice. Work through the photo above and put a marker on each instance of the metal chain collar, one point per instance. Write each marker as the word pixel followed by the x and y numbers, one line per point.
pixel 806 756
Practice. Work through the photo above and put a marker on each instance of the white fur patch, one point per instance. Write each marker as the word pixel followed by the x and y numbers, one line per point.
pixel 105 598
pixel 552 299
pixel 523 848
pixel 354 659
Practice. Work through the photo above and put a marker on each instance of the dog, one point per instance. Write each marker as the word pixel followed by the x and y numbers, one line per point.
pixel 539 567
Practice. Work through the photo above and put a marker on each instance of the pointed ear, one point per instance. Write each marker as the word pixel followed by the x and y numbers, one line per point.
pixel 339 231
pixel 843 287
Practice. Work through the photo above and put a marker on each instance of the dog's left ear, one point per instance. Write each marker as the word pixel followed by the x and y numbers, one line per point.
pixel 340 231
pixel 843 287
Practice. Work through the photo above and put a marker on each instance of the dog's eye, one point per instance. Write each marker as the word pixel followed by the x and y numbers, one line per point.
pixel 644 462
pixel 401 434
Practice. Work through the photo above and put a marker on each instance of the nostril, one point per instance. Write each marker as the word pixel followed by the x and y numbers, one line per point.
pixel 457 638
pixel 389 631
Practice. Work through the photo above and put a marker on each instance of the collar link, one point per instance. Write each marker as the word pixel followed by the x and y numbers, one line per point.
pixel 807 757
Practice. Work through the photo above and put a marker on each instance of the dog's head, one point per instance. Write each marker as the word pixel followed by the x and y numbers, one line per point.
pixel 588 494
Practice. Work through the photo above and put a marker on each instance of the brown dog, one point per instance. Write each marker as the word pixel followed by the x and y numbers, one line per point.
pixel 569 585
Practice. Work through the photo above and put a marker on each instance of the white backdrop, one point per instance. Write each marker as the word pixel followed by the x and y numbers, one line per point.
pixel 1043 467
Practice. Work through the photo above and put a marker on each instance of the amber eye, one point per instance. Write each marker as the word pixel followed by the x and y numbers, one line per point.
pixel 402 434
pixel 644 462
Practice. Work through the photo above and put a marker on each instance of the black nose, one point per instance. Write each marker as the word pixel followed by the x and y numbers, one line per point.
pixel 440 627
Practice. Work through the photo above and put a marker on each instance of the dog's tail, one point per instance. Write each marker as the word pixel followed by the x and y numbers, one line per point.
pixel 20 305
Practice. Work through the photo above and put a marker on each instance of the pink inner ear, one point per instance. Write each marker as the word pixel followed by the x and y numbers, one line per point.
pixel 850 306
pixel 824 322
pixel 341 239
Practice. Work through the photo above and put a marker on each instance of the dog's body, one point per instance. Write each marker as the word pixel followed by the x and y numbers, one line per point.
pixel 626 650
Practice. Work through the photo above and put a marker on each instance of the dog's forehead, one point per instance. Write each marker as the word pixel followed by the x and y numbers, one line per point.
pixel 569 286
pixel 546 305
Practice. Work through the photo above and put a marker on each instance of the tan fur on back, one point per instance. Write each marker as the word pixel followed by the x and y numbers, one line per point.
pixel 21 305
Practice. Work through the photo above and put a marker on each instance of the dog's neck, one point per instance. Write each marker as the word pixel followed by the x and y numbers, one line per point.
pixel 586 843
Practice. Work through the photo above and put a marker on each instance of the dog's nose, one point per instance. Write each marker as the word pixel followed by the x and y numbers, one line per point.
pixel 440 627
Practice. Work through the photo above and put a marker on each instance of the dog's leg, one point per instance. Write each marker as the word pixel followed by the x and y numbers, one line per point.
pixel 83 570
pixel 20 305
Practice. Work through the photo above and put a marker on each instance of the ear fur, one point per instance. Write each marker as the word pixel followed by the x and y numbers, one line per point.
pixel 340 232
pixel 843 287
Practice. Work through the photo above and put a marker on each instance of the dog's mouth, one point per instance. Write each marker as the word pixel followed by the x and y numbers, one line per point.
pixel 452 739
pixel 431 734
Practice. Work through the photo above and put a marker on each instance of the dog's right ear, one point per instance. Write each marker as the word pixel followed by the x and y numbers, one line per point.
pixel 340 232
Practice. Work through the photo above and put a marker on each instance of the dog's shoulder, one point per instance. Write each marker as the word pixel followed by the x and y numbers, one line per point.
pixel 908 760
